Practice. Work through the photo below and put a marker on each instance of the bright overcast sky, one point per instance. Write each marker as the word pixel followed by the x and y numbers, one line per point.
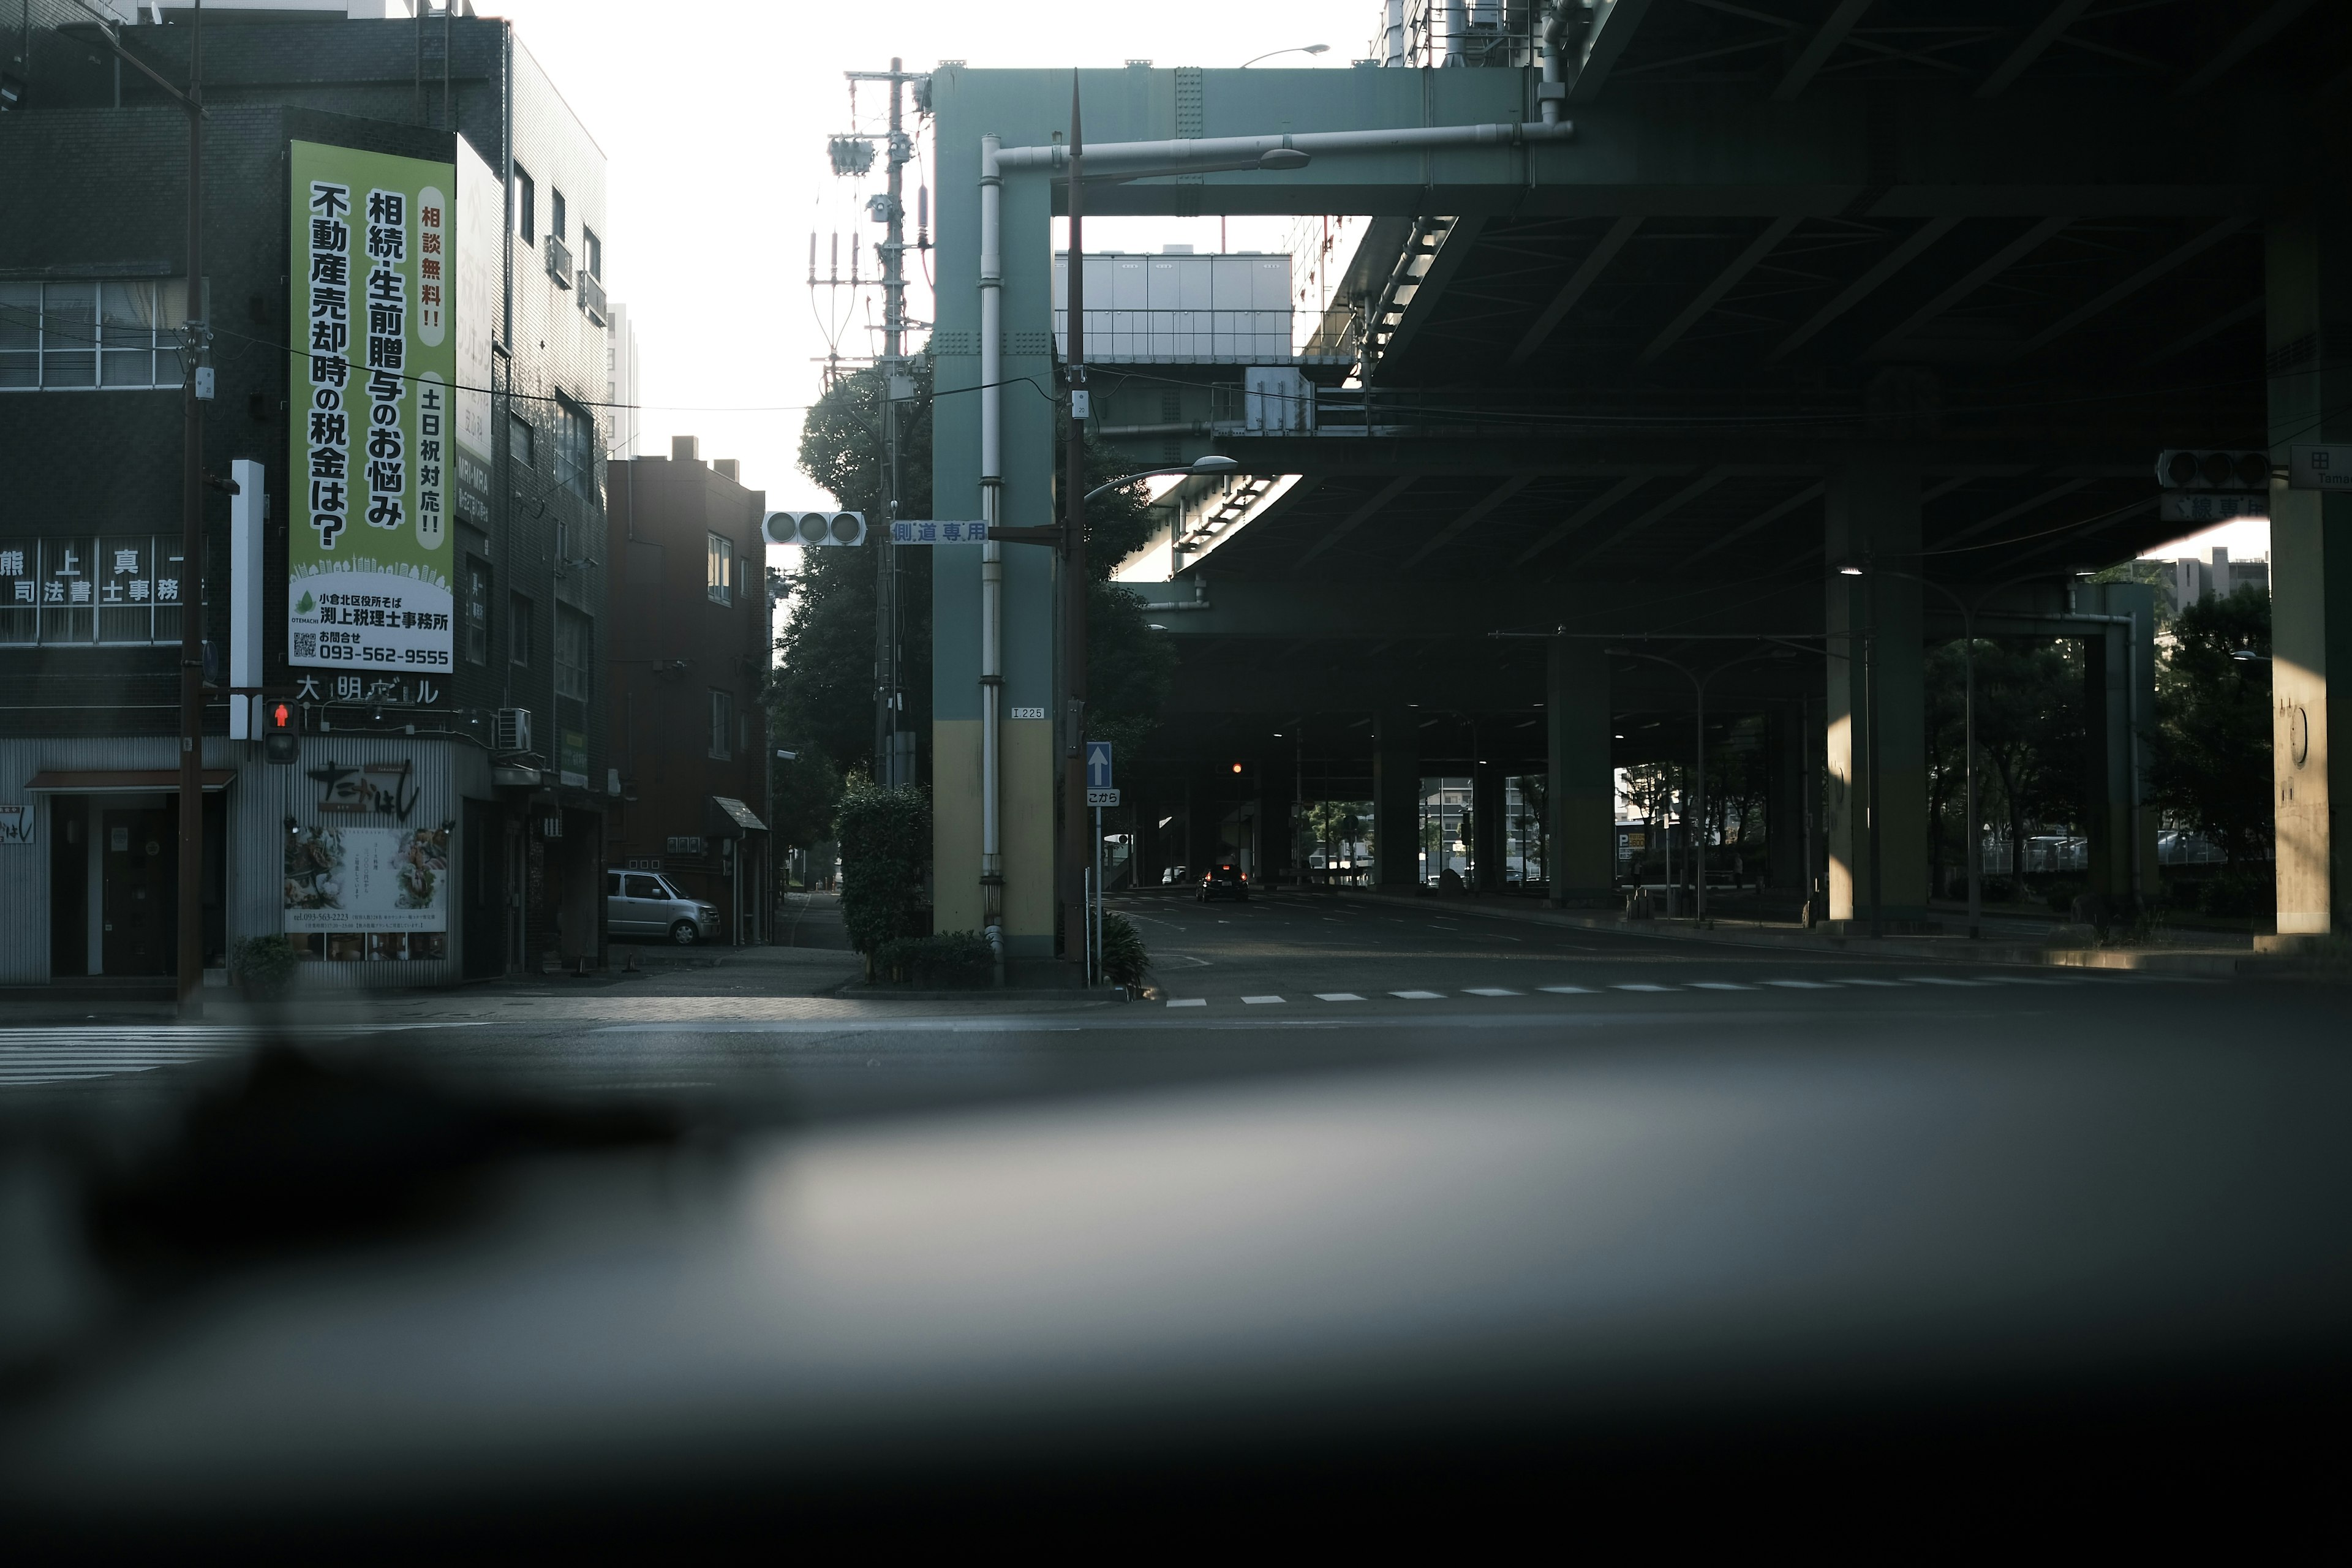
pixel 713 118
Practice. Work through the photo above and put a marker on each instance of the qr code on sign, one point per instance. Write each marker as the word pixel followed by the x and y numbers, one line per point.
pixel 306 644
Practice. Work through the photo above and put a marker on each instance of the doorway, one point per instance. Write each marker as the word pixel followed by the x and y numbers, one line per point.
pixel 138 889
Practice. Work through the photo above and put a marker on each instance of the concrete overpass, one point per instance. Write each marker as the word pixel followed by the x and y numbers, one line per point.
pixel 1922 288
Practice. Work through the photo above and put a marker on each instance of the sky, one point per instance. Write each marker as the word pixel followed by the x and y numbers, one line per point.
pixel 722 107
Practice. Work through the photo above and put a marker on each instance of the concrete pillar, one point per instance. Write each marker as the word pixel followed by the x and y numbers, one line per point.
pixel 1582 796
pixel 1396 799
pixel 2119 717
pixel 1877 672
pixel 2309 288
pixel 1277 834
pixel 1487 812
pixel 1785 803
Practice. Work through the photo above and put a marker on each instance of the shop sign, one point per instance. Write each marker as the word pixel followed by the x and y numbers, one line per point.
pixel 367 879
pixel 15 825
pixel 386 787
pixel 368 551
pixel 685 843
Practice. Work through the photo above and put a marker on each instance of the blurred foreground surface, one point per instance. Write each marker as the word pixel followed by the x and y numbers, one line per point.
pixel 1689 1243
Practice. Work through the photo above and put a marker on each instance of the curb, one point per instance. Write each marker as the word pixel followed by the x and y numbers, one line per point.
pixel 2220 964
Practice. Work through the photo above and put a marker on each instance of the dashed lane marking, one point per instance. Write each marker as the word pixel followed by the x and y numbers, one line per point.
pixel 1259 1001
pixel 1803 984
pixel 1567 990
pixel 1190 1002
pixel 1493 991
pixel 1337 997
pixel 1419 995
pixel 1719 985
pixel 1638 986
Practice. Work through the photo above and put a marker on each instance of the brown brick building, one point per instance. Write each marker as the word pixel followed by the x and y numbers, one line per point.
pixel 686 654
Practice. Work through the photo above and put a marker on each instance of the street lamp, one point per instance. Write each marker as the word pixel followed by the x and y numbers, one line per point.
pixel 1209 463
pixel 1294 49
pixel 1698 811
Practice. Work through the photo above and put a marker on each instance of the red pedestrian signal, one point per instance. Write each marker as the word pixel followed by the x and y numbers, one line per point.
pixel 282 733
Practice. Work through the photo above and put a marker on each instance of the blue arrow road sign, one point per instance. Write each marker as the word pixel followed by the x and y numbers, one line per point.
pixel 1098 764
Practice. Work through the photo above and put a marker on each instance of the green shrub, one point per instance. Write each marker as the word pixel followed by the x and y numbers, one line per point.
pixel 951 959
pixel 2061 897
pixel 2238 892
pixel 1124 961
pixel 264 965
pixel 886 847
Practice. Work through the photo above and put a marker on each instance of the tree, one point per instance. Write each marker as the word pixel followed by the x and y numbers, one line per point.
pixel 2212 747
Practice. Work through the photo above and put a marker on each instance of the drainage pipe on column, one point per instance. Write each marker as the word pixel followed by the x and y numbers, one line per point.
pixel 992 553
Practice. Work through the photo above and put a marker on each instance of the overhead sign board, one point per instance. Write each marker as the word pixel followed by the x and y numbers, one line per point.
pixel 1102 798
pixel 2212 506
pixel 2319 467
pixel 1098 764
pixel 926 531
pixel 373 424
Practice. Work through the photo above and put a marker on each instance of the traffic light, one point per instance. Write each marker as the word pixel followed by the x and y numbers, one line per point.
pixel 815 528
pixel 2204 469
pixel 281 732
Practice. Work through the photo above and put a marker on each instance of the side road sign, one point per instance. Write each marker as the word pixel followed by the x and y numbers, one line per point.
pixel 2211 506
pixel 1102 798
pixel 1098 764
pixel 2319 467
pixel 928 530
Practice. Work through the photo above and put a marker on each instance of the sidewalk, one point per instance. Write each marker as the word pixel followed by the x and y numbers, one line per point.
pixel 2061 948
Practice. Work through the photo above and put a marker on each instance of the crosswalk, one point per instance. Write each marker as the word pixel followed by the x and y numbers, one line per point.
pixel 65 1054
pixel 1758 986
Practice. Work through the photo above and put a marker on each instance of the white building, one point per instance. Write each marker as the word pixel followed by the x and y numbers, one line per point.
pixel 623 386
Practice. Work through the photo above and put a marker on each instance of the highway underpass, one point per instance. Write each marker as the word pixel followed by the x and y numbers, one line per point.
pixel 1807 340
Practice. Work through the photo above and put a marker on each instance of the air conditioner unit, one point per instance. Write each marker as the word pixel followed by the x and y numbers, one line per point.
pixel 558 261
pixel 510 729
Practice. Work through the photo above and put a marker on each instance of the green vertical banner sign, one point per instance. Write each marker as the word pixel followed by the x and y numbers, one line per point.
pixel 374 297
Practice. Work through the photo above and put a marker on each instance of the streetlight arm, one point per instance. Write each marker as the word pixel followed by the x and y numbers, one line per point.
pixel 1294 49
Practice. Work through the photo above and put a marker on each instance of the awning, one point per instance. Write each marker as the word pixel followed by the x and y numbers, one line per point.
pixel 123 781
pixel 737 814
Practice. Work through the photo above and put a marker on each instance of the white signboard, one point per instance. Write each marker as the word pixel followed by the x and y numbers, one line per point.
pixel 1102 798
pixel 2211 506
pixel 2319 467
pixel 15 825
pixel 366 880
pixel 926 531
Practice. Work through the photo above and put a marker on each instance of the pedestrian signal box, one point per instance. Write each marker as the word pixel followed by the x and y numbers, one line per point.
pixel 281 732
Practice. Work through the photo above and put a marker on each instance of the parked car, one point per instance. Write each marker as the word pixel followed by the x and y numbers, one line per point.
pixel 1224 883
pixel 645 903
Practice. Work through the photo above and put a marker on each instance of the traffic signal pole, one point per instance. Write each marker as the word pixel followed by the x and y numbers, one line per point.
pixel 189 913
pixel 1073 570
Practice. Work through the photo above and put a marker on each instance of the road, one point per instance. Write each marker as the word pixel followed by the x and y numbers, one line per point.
pixel 1288 981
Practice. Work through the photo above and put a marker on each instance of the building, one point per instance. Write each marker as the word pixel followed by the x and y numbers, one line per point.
pixel 445 817
pixel 2195 581
pixel 684 669
pixel 623 386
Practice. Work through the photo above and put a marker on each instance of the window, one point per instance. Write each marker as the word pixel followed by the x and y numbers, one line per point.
pixel 722 725
pixel 576 645
pixel 526 201
pixel 720 583
pixel 518 630
pixel 477 612
pixel 643 887
pixel 521 443
pixel 90 589
pixel 575 449
pixel 59 336
pixel 591 250
pixel 555 212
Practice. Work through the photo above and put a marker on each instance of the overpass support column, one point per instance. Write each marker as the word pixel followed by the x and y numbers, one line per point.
pixel 1785 805
pixel 1876 680
pixel 1277 832
pixel 1396 800
pixel 2308 263
pixel 2119 717
pixel 1581 797
pixel 1487 812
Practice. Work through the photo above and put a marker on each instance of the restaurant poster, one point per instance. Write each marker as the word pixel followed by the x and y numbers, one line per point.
pixel 362 880
pixel 372 420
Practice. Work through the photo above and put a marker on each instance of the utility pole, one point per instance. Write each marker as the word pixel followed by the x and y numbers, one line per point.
pixel 893 752
pixel 1074 566
pixel 195 387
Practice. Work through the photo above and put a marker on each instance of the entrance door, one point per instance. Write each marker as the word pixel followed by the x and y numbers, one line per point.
pixel 139 882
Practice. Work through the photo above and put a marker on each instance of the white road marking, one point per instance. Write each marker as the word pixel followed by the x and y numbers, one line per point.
pixel 1337 997
pixel 1493 991
pixel 1719 985
pixel 1638 986
pixel 1851 980
pixel 1419 995
pixel 1567 990
pixel 1190 1002
pixel 1259 1001
pixel 1803 984
pixel 1939 980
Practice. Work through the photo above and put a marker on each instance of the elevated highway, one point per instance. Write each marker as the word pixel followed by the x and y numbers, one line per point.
pixel 1831 318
